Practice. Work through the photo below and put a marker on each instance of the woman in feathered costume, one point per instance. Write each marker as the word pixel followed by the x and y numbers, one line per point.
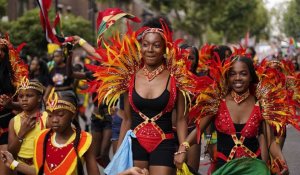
pixel 243 104
pixel 155 78
pixel 12 70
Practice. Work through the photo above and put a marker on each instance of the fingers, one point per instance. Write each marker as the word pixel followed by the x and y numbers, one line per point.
pixel 3 157
pixel 145 171
pixel 6 156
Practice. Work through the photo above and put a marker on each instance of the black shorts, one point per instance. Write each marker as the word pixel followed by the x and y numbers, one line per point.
pixel 163 155
pixel 98 125
pixel 4 122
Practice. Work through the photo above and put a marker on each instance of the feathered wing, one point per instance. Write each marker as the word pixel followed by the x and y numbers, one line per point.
pixel 210 91
pixel 272 95
pixel 120 61
pixel 19 68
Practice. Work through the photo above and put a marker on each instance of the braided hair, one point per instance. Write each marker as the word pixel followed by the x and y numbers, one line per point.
pixel 70 97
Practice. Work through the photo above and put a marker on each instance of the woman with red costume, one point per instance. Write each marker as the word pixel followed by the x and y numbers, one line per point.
pixel 12 70
pixel 154 77
pixel 241 117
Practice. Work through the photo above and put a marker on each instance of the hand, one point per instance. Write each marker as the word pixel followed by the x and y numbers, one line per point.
pixel 27 124
pixel 6 158
pixel 285 171
pixel 135 171
pixel 138 171
pixel 180 158
pixel 5 100
pixel 76 39
pixel 279 167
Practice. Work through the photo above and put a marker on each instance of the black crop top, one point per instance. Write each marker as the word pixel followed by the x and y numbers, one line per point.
pixel 152 107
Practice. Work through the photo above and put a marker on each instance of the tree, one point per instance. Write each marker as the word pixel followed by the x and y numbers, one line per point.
pixel 291 20
pixel 28 29
pixel 3 5
pixel 238 17
pixel 230 19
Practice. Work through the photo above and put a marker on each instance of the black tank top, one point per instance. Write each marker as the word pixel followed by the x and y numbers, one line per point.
pixel 152 107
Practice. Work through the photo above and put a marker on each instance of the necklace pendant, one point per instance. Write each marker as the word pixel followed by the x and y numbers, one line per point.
pixel 240 98
pixel 151 75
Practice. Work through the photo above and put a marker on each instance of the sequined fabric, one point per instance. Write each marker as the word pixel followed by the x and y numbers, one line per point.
pixel 224 124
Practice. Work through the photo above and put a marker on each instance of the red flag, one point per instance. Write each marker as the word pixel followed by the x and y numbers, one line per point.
pixel 44 7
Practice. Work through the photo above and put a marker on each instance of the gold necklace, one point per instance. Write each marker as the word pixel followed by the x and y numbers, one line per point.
pixel 151 75
pixel 239 98
pixel 60 145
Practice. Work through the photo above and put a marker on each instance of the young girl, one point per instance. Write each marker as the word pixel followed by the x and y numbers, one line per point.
pixel 26 126
pixel 59 150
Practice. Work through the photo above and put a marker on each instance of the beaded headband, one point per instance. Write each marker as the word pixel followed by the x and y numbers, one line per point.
pixel 53 103
pixel 154 30
pixel 26 84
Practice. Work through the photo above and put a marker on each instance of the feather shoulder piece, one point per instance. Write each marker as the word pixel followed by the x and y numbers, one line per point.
pixel 178 64
pixel 19 68
pixel 120 61
pixel 210 91
pixel 272 96
pixel 292 86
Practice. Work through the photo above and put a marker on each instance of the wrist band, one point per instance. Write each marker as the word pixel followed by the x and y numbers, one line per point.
pixel 179 152
pixel 20 139
pixel 14 165
pixel 186 145
pixel 81 41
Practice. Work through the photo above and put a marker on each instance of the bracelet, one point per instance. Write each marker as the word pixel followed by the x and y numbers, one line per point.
pixel 186 145
pixel 20 139
pixel 179 152
pixel 81 41
pixel 14 165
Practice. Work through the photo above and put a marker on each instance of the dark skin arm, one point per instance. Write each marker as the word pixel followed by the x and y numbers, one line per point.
pixel 87 47
pixel 274 148
pixel 181 124
pixel 27 124
pixel 91 163
pixel 127 119
pixel 7 158
pixel 70 72
pixel 263 142
pixel 191 139
pixel 8 103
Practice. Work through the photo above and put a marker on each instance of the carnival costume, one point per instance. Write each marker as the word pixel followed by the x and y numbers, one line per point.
pixel 18 70
pixel 241 139
pixel 59 158
pixel 120 61
pixel 25 153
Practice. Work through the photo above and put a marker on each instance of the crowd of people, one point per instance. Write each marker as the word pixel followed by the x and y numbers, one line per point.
pixel 153 95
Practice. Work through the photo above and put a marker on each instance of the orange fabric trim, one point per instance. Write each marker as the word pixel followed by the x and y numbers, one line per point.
pixel 69 163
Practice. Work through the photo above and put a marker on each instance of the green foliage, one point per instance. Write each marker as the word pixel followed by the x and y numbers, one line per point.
pixel 76 25
pixel 3 5
pixel 237 17
pixel 4 27
pixel 228 20
pixel 291 20
pixel 28 29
